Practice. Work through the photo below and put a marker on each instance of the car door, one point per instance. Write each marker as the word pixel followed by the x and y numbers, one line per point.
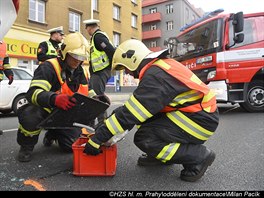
pixel 20 85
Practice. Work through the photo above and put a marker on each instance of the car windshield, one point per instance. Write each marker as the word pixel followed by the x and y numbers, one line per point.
pixel 196 41
pixel 20 74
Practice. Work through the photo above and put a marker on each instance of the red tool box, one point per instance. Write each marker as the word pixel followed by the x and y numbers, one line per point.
pixel 103 164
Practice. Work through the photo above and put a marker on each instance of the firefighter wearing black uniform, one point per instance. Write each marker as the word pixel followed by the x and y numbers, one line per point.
pixel 5 67
pixel 101 53
pixel 51 48
pixel 176 112
pixel 54 81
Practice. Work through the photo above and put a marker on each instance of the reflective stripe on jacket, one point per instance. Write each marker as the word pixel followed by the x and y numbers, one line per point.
pixel 99 59
pixel 83 89
pixel 51 49
pixel 199 91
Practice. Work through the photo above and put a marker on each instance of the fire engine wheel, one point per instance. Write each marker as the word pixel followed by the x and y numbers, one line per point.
pixel 255 97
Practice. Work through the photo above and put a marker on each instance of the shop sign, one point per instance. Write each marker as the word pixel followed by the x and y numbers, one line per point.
pixel 19 48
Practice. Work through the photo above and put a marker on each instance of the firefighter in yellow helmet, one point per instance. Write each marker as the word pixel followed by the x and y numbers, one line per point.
pixel 52 86
pixel 176 112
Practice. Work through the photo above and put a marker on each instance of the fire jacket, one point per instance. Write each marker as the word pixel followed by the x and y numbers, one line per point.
pixel 5 66
pixel 52 77
pixel 166 83
pixel 101 51
pixel 47 50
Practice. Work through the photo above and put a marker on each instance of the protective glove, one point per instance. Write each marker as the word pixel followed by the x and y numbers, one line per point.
pixel 102 98
pixel 10 78
pixel 92 148
pixel 65 102
pixel 102 135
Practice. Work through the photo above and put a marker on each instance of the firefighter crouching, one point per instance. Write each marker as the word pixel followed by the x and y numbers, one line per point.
pixel 54 81
pixel 175 111
pixel 5 67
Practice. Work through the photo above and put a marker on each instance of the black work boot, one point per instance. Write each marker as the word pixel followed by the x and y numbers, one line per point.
pixel 193 172
pixel 25 153
pixel 48 140
pixel 145 160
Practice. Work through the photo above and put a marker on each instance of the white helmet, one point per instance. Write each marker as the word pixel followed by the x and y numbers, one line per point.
pixel 130 54
pixel 76 45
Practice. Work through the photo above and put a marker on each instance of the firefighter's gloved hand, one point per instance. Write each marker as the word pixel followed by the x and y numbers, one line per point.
pixel 102 135
pixel 65 102
pixel 102 98
pixel 10 78
pixel 92 148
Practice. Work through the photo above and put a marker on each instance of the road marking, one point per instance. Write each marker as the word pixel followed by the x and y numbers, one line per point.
pixel 10 130
pixel 35 184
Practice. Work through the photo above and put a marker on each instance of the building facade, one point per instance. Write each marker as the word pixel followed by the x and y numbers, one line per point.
pixel 121 20
pixel 162 19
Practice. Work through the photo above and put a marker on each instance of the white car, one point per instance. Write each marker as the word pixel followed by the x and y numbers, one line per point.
pixel 11 94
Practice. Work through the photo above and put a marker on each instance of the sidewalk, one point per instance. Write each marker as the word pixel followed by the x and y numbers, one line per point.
pixel 115 96
pixel 122 95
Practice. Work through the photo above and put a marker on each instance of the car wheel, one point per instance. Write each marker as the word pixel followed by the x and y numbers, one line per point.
pixel 18 102
pixel 6 111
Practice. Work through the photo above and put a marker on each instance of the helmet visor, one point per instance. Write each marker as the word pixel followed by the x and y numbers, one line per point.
pixel 79 57
pixel 118 67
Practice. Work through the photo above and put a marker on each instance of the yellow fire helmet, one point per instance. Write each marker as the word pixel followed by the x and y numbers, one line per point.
pixel 76 45
pixel 130 54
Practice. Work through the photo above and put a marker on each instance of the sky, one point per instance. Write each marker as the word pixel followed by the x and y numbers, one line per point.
pixel 230 6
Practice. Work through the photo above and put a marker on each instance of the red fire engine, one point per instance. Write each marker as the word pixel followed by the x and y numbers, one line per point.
pixel 227 52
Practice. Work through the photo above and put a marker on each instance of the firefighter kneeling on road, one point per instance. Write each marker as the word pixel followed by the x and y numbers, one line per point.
pixel 176 112
pixel 52 86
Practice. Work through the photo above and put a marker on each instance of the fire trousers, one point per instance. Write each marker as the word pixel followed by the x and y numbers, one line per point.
pixel 164 140
pixel 29 117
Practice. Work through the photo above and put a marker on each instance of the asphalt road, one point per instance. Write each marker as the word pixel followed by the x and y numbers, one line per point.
pixel 238 144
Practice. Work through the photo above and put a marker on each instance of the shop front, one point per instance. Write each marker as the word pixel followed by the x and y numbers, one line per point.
pixel 22 45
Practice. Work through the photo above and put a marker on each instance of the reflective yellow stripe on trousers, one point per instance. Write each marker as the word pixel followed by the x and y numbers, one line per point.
pixel 29 133
pixel 168 152
pixel 189 126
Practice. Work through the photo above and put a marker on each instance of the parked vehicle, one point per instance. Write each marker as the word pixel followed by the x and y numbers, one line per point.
pixel 227 52
pixel 10 95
